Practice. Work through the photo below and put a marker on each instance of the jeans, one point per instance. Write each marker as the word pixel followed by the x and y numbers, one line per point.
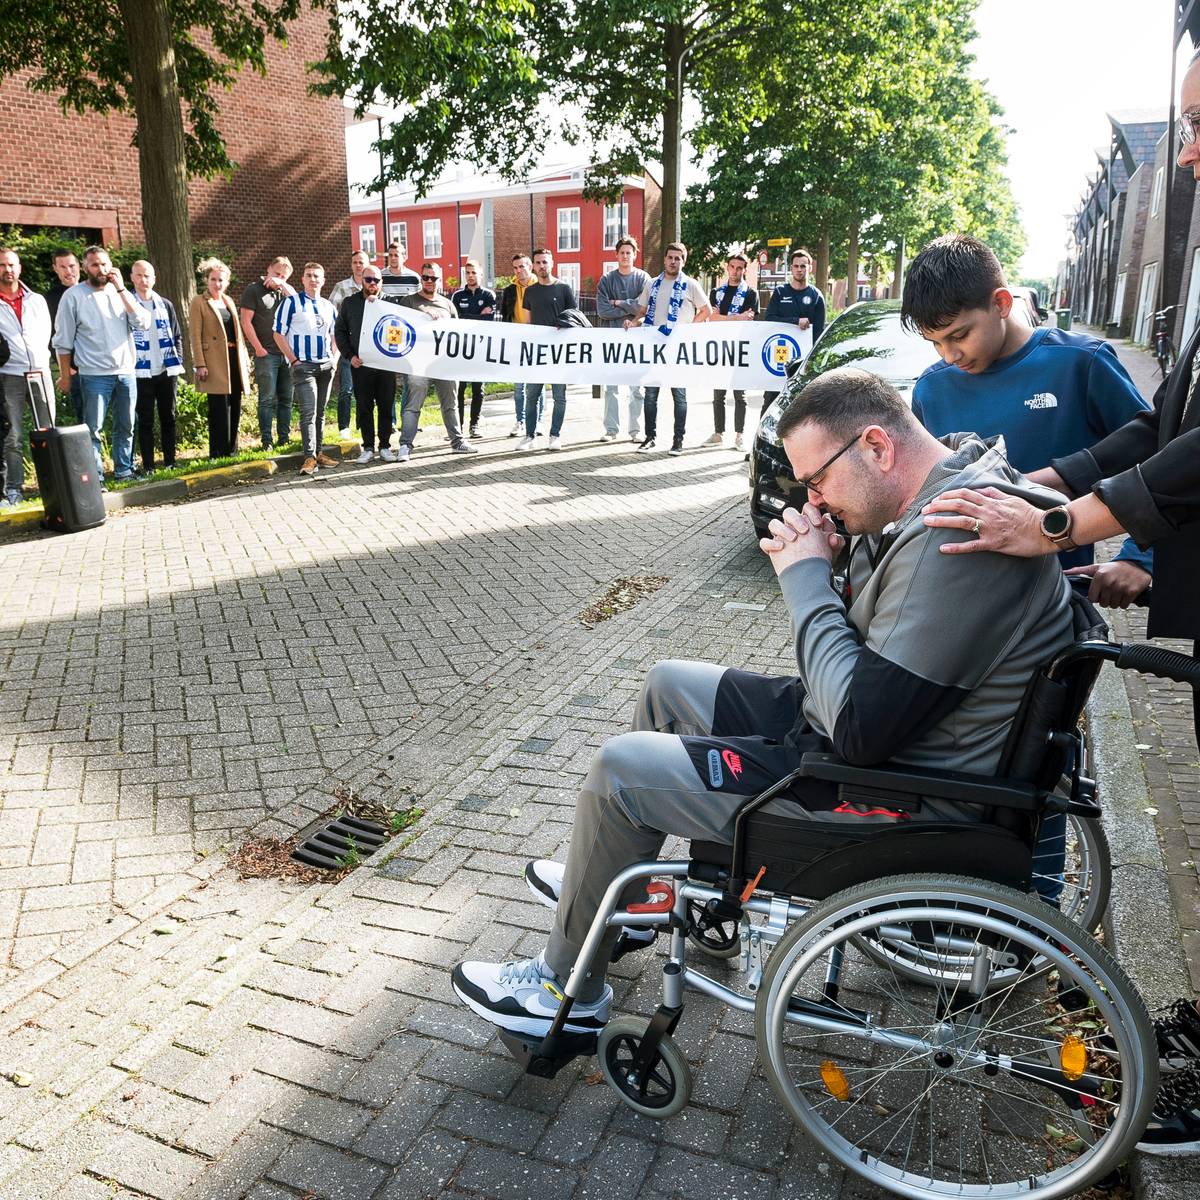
pixel 100 393
pixel 418 389
pixel 679 395
pixel 345 392
pixel 612 420
pixel 310 382
pixel 274 380
pixel 519 402
pixel 375 397
pixel 533 407
pixel 156 392
pixel 14 402
pixel 739 411
pixel 476 401
pixel 76 394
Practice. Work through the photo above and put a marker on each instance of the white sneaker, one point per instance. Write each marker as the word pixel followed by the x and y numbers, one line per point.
pixel 344 434
pixel 526 443
pixel 523 997
pixel 544 879
pixel 635 435
pixel 608 437
pixel 739 442
pixel 517 429
pixel 715 439
pixel 402 453
pixel 555 443
pixel 388 454
pixel 366 456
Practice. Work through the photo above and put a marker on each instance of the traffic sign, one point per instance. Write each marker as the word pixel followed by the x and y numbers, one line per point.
pixel 763 258
pixel 779 241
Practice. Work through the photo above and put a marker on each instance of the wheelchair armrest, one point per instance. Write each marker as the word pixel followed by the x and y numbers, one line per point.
pixel 925 781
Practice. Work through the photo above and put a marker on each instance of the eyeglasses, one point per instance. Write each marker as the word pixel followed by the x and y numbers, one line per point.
pixel 813 482
pixel 1187 127
pixel 430 278
pixel 372 279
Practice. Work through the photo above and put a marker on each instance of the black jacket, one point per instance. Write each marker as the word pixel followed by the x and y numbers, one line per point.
pixel 1148 474
pixel 508 301
pixel 348 326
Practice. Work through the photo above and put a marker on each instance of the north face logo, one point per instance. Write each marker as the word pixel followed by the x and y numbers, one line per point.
pixel 1042 400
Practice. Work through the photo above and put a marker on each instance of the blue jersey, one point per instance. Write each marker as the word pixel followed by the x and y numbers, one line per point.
pixel 307 325
pixel 1059 393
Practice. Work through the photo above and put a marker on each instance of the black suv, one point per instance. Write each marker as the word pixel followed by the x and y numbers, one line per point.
pixel 867 335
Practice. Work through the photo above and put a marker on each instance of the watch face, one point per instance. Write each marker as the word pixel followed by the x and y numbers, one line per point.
pixel 1056 522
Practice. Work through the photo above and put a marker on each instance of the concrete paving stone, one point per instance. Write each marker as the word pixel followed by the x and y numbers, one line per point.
pixel 305 1022
pixel 693 1175
pixel 695 1128
pixel 618 1171
pixel 368 1029
pixel 151 1110
pixel 505 1176
pixel 147 1166
pixel 484 1120
pixel 331 1174
pixel 247 1159
pixel 320 1118
pixel 428 1168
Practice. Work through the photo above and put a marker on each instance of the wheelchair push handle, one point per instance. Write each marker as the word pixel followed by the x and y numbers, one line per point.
pixel 1155 660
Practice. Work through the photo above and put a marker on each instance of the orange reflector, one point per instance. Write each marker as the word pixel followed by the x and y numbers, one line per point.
pixel 834 1079
pixel 1073 1057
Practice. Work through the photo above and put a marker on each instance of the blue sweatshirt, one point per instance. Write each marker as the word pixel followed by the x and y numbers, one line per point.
pixel 1059 393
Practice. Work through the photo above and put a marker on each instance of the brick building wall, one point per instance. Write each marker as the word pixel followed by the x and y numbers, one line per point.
pixel 288 196
pixel 1133 234
pixel 652 225
pixel 510 225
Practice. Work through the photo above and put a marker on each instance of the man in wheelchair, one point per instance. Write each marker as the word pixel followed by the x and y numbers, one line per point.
pixel 922 660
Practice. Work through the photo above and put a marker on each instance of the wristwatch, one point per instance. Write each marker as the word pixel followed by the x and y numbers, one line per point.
pixel 1056 524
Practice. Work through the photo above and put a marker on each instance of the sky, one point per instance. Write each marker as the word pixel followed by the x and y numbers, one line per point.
pixel 1057 66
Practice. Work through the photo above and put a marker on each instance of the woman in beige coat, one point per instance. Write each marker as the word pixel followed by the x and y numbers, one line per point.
pixel 219 354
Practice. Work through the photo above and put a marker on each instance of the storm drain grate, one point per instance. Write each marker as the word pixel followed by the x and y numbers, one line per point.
pixel 345 842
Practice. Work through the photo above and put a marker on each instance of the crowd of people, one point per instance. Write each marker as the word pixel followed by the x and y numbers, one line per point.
pixel 120 352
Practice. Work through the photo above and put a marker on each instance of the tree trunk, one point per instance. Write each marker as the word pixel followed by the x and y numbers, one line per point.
pixel 901 266
pixel 822 264
pixel 162 162
pixel 852 266
pixel 673 53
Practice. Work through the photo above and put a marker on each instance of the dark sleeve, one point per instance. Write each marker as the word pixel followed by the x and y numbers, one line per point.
pixel 249 297
pixel 568 295
pixel 773 306
pixel 1133 443
pixel 818 318
pixel 1159 496
pixel 341 332
pixel 751 304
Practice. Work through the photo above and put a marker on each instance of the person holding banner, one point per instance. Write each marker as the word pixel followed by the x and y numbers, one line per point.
pixel 474 303
pixel 797 303
pixel 670 300
pixel 546 300
pixel 437 308
pixel 616 301
pixel 512 308
pixel 734 300
pixel 374 389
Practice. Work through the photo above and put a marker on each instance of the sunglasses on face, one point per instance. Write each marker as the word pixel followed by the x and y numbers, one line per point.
pixel 429 278
pixel 372 279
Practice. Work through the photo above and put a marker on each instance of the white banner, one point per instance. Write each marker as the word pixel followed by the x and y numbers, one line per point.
pixel 718 354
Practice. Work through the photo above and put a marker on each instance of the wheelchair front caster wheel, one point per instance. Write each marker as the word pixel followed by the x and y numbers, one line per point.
pixel 722 940
pixel 664 1090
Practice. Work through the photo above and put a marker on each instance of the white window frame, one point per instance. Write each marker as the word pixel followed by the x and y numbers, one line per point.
pixel 569 273
pixel 1119 295
pixel 398 232
pixel 569 227
pixel 1145 311
pixel 608 266
pixel 616 223
pixel 431 238
pixel 1156 200
pixel 366 240
pixel 466 233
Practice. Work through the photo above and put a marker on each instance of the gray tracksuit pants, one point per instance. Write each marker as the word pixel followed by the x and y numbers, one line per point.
pixel 418 389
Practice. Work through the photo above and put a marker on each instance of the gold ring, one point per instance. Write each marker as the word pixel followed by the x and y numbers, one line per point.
pixel 977 528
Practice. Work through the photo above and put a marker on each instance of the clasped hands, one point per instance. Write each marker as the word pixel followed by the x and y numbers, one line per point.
pixel 799 534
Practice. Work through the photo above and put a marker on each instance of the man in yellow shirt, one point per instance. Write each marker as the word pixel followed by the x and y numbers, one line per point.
pixel 512 308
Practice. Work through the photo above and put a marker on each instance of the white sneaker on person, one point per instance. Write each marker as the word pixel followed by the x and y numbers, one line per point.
pixel 388 454
pixel 715 439
pixel 402 453
pixel 517 429
pixel 739 442
pixel 555 443
pixel 646 446
pixel 544 878
pixel 345 434
pixel 366 456
pixel 635 435
pixel 523 997
pixel 608 437
pixel 526 443
pixel 462 446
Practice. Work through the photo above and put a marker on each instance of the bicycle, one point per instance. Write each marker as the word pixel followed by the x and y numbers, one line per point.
pixel 1164 348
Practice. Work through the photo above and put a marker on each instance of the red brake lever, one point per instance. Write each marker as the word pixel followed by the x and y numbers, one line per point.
pixel 662 899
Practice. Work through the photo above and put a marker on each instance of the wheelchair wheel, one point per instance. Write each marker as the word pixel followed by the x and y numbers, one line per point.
pixel 959 1085
pixel 667 1088
pixel 1080 891
pixel 721 940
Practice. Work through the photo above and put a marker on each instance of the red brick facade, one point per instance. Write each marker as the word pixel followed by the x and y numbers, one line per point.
pixel 288 196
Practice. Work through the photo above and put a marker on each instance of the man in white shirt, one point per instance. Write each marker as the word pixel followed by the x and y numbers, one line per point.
pixel 25 327
pixel 94 337
pixel 672 299
pixel 342 290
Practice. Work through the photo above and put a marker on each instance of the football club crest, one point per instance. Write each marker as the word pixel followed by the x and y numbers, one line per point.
pixel 779 350
pixel 394 336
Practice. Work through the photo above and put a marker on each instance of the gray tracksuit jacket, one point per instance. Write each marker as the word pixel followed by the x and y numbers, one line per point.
pixel 928 664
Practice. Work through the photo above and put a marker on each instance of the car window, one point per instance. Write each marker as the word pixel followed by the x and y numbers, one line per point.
pixel 874 341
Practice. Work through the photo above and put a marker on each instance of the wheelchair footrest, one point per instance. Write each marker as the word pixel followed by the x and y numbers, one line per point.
pixel 536 1058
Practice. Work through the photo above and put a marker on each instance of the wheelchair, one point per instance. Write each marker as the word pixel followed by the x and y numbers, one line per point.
pixel 932 1023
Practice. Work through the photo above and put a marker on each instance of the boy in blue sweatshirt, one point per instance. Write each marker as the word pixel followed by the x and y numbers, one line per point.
pixel 1049 393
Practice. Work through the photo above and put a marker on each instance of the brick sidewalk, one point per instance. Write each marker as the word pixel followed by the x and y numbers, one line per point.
pixel 1162 714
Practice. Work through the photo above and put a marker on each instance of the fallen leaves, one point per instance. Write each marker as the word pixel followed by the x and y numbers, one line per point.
pixel 621 596
pixel 270 858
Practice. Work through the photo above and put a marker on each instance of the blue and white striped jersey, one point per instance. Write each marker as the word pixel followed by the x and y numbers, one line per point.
pixel 308 326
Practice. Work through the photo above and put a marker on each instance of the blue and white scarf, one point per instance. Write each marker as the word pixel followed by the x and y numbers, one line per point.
pixel 166 342
pixel 674 305
pixel 739 298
